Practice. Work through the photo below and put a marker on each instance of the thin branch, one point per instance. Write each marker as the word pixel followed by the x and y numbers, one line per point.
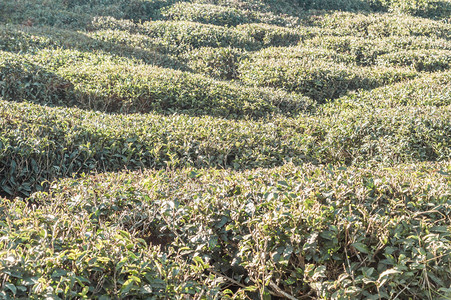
pixel 280 292
pixel 227 277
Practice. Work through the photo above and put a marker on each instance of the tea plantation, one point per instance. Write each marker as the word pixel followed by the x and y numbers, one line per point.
pixel 225 149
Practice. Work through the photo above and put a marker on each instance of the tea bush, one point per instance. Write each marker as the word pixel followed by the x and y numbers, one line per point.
pixel 316 78
pixel 382 25
pixel 270 35
pixel 41 143
pixel 120 43
pixel 76 14
pixel 424 8
pixel 366 52
pixel 298 231
pixel 262 149
pixel 427 60
pixel 431 89
pixel 206 13
pixel 185 35
pixel 221 63
pixel 22 79
pixel 112 84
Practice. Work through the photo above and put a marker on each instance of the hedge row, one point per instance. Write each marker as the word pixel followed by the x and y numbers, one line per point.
pixel 177 36
pixel 206 13
pixel 220 63
pixel 383 25
pixel 322 232
pixel 427 90
pixel 105 83
pixel 426 60
pixel 435 9
pixel 77 14
pixel 226 14
pixel 31 40
pixel 316 78
pixel 364 51
pixel 40 143
pixel 21 79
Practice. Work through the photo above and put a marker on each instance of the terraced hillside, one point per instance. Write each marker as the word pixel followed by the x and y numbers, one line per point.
pixel 225 149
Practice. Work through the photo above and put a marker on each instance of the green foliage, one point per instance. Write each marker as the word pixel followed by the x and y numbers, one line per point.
pixel 40 143
pixel 78 13
pixel 344 5
pixel 427 60
pixel 382 25
pixel 270 35
pixel 316 78
pixel 186 35
pixel 21 79
pixel 428 90
pixel 323 231
pixel 221 63
pixel 364 51
pixel 423 8
pixel 206 13
pixel 111 84
pixel 281 149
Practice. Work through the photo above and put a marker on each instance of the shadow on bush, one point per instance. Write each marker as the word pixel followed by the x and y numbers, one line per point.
pixel 29 39
pixel 20 80
pixel 76 14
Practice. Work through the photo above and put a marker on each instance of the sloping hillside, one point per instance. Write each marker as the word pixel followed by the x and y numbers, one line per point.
pixel 233 149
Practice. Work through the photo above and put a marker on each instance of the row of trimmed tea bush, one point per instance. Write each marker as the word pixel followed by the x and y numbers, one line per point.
pixel 23 40
pixel 316 78
pixel 182 35
pixel 364 51
pixel 102 82
pixel 435 9
pixel 207 13
pixel 383 25
pixel 77 14
pixel 223 15
pixel 40 143
pixel 223 64
pixel 426 60
pixel 428 90
pixel 319 232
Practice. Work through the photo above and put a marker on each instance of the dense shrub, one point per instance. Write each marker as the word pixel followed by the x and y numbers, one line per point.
pixel 179 36
pixel 343 5
pixel 111 23
pixel 435 9
pixel 120 43
pixel 206 13
pixel 427 60
pixel 270 35
pixel 78 13
pixel 21 79
pixel 106 83
pixel 431 89
pixel 186 35
pixel 366 51
pixel 320 231
pixel 14 40
pixel 221 63
pixel 383 25
pixel 360 50
pixel 144 10
pixel 316 78
pixel 282 149
pixel 40 143
pixel 304 52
